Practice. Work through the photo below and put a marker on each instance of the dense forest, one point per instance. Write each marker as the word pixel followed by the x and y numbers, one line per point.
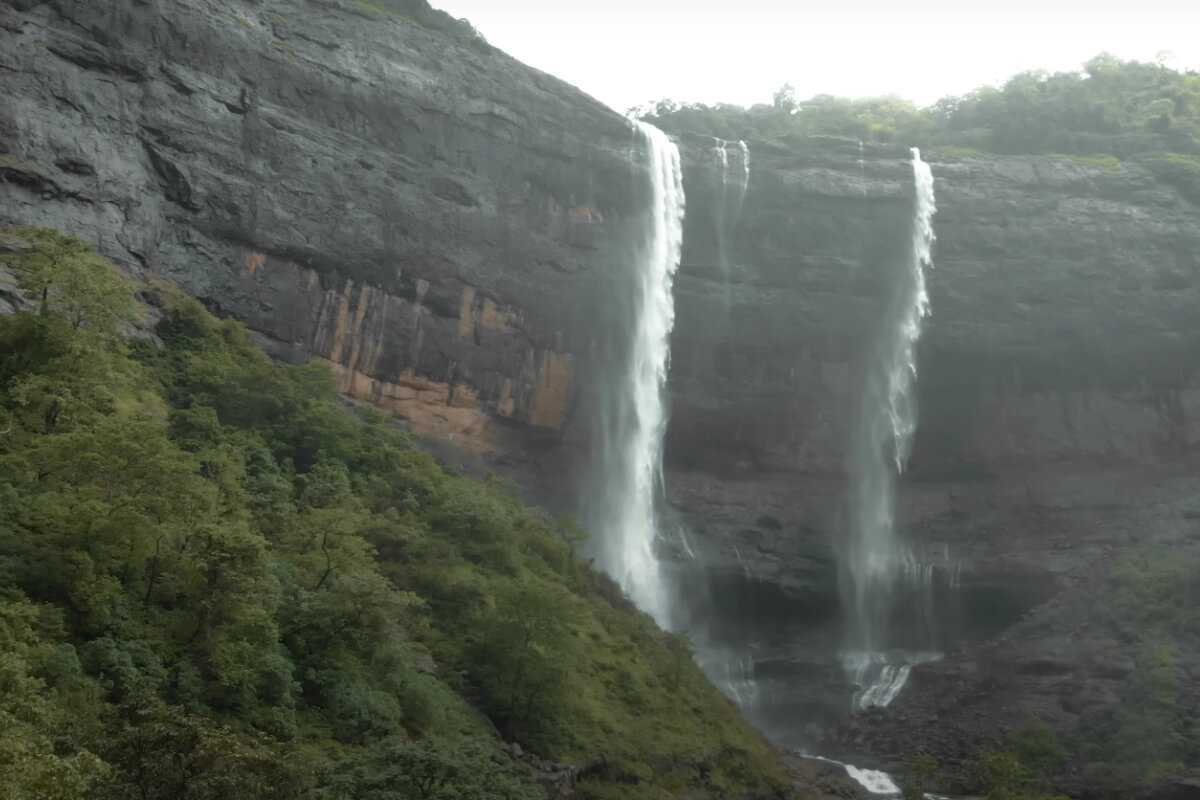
pixel 1112 107
pixel 216 580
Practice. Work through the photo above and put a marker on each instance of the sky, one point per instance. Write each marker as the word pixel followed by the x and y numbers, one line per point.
pixel 630 52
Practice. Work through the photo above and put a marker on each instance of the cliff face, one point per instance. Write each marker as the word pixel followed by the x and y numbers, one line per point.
pixel 1058 361
pixel 1058 418
pixel 450 230
pixel 414 207
pixel 1062 324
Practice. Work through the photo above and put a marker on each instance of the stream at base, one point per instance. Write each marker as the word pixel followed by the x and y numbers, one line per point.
pixel 873 780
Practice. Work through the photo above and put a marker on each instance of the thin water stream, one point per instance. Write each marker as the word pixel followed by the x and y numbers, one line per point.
pixel 878 566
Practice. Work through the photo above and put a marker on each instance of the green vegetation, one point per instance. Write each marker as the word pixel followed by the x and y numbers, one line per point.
pixel 1151 598
pixel 1149 605
pixel 1019 767
pixel 919 772
pixel 1113 107
pixel 960 152
pixel 1002 775
pixel 1180 169
pixel 1142 620
pixel 216 581
pixel 1037 748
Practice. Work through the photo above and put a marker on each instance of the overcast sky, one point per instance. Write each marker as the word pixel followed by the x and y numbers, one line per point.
pixel 628 52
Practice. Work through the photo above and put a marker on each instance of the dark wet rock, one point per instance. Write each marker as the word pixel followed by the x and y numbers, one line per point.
pixel 431 217
pixel 1072 663
pixel 1057 380
pixel 821 780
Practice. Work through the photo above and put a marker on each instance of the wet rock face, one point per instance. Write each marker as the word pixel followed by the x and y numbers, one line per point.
pixel 1061 655
pixel 434 219
pixel 1057 401
pixel 1063 331
pixel 1063 309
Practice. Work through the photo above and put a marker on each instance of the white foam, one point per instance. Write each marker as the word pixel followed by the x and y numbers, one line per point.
pixel 873 780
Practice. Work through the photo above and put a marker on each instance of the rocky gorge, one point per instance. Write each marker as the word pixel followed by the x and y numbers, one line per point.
pixel 448 230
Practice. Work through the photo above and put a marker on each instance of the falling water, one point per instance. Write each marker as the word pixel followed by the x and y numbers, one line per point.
pixel 731 187
pixel 742 183
pixel 629 525
pixel 731 670
pixel 878 564
pixel 733 179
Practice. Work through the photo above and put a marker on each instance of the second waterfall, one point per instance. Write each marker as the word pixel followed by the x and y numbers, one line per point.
pixel 631 439
pixel 887 588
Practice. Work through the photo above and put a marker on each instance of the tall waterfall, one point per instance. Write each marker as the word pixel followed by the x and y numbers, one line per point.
pixel 888 587
pixel 729 183
pixel 733 179
pixel 729 666
pixel 628 525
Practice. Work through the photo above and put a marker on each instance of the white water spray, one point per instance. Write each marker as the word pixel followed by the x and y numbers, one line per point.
pixel 877 561
pixel 631 524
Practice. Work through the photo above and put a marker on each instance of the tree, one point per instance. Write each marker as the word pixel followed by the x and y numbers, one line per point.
pixel 162 753
pixel 521 657
pixel 427 770
pixel 69 280
pixel 784 98
pixel 31 767
pixel 1121 108
pixel 679 651
pixel 919 771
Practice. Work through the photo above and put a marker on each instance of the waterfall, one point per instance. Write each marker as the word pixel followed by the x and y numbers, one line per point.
pixel 879 568
pixel 728 184
pixel 733 178
pixel 731 670
pixel 628 525
pixel 730 666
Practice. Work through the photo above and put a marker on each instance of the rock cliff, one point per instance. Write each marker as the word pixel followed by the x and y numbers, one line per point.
pixel 414 207
pixel 1056 384
pixel 449 230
